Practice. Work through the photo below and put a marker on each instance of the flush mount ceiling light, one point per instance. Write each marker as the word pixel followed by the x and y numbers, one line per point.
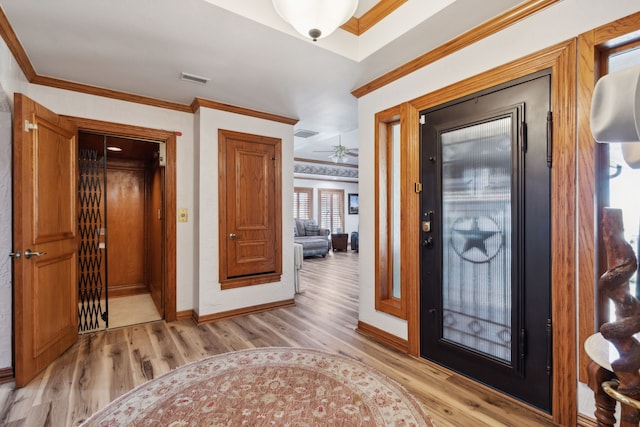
pixel 315 18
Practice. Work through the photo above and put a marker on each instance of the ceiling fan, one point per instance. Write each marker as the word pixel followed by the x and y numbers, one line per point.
pixel 340 153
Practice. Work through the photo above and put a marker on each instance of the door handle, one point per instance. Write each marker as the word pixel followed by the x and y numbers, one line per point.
pixel 428 242
pixel 232 236
pixel 28 253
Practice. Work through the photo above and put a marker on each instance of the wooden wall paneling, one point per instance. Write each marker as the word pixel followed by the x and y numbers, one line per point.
pixel 126 203
pixel 561 58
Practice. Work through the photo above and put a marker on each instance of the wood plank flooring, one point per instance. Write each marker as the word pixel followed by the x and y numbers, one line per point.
pixel 104 365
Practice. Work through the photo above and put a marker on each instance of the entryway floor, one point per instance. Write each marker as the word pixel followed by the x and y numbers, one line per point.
pixel 131 310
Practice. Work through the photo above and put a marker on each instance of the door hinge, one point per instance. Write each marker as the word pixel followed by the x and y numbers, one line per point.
pixel 549 347
pixel 29 126
pixel 418 187
pixel 523 136
pixel 523 337
pixel 423 119
pixel 549 138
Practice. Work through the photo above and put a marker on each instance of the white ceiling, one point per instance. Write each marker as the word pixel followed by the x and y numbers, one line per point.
pixel 253 58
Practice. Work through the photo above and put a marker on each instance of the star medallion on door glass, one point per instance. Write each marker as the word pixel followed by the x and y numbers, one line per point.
pixel 477 239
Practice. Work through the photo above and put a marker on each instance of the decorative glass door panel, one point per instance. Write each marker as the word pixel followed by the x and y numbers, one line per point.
pixel 476 227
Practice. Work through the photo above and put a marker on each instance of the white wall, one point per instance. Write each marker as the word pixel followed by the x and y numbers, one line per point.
pixel 5 231
pixel 351 222
pixel 555 24
pixel 211 298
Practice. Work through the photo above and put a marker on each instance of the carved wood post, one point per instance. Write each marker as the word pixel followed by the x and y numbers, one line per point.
pixel 614 283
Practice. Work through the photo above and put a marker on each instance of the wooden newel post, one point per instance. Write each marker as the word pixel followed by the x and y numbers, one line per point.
pixel 614 283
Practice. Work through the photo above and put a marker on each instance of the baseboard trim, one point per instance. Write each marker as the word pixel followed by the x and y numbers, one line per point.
pixel 6 375
pixel 184 315
pixel 128 290
pixel 585 421
pixel 383 337
pixel 207 318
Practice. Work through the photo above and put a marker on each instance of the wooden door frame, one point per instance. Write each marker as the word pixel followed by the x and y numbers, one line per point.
pixel 561 59
pixel 168 137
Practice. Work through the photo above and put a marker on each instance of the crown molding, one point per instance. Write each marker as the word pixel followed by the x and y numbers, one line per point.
pixel 377 13
pixel 492 26
pixel 200 102
pixel 109 93
pixel 14 45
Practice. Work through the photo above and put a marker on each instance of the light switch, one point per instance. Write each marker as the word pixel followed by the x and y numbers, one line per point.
pixel 183 215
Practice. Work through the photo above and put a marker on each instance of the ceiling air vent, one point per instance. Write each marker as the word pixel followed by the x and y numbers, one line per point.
pixel 193 78
pixel 301 133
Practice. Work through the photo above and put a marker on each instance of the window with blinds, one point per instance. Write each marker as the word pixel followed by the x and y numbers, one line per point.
pixel 303 203
pixel 331 208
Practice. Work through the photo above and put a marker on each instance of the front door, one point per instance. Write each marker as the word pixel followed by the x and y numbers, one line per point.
pixel 485 273
pixel 44 237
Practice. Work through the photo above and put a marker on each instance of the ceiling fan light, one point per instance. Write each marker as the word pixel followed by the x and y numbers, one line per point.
pixel 315 18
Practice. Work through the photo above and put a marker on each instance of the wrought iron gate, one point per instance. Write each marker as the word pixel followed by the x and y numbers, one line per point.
pixel 92 256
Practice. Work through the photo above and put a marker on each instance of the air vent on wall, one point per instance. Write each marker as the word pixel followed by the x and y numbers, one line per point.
pixel 302 133
pixel 193 78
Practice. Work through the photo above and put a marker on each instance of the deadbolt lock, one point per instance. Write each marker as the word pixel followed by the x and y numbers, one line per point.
pixel 426 224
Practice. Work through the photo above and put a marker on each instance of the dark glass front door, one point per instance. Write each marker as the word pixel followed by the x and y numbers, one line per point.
pixel 485 272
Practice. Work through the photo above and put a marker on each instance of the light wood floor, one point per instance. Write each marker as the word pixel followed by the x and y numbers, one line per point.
pixel 104 365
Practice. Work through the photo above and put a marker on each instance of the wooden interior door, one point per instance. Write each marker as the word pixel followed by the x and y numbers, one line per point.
pixel 45 237
pixel 156 236
pixel 251 208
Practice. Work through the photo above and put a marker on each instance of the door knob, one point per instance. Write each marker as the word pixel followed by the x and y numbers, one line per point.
pixel 28 254
pixel 232 236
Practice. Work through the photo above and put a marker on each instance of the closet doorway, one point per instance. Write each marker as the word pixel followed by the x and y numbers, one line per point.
pixel 121 221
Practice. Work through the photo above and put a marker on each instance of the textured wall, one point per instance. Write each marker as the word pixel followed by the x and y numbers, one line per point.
pixel 5 231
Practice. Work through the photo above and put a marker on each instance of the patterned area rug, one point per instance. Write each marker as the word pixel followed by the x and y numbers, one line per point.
pixel 267 387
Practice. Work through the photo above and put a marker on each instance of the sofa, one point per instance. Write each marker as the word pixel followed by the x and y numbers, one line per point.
pixel 314 240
